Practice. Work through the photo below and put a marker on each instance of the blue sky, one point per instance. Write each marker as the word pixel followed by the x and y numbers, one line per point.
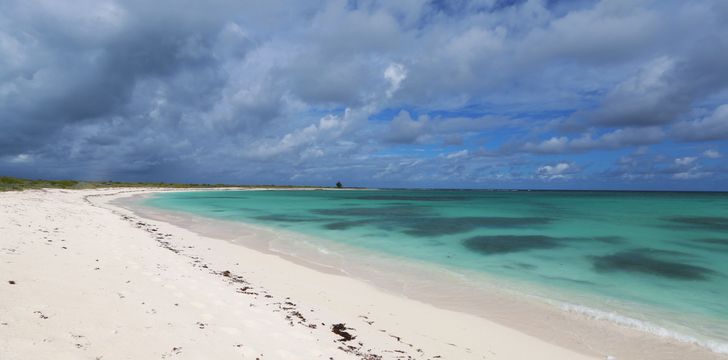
pixel 478 94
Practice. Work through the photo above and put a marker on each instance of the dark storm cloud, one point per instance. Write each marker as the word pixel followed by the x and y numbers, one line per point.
pixel 93 63
pixel 477 93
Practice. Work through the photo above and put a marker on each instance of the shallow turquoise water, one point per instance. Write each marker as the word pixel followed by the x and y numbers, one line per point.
pixel 659 257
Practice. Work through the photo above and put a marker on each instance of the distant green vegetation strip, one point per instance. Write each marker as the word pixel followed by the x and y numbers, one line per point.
pixel 8 183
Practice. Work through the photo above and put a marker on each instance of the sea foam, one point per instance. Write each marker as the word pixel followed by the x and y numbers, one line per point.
pixel 644 326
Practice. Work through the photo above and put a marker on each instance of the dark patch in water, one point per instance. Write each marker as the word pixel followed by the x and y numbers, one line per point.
pixel 663 252
pixel 520 266
pixel 721 242
pixel 638 262
pixel 455 225
pixel 217 197
pixel 288 218
pixel 713 223
pixel 411 198
pixel 419 221
pixel 344 225
pixel 374 235
pixel 385 212
pixel 609 239
pixel 574 281
pixel 502 244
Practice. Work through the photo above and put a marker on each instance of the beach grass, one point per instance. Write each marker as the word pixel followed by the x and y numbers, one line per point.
pixel 9 183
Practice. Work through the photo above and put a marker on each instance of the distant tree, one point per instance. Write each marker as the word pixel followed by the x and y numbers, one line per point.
pixel 338 185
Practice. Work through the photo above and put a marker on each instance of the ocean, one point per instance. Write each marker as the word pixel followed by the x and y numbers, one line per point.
pixel 656 261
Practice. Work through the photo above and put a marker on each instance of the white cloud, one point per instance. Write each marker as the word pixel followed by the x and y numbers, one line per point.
pixel 690 175
pixel 685 161
pixel 711 154
pixel 21 158
pixel 558 171
pixel 611 140
pixel 304 141
pixel 553 145
pixel 394 74
pixel 457 154
pixel 688 168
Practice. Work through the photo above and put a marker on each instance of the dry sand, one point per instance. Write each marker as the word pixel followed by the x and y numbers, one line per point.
pixel 83 279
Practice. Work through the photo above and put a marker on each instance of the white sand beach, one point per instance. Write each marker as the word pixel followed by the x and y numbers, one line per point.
pixel 85 279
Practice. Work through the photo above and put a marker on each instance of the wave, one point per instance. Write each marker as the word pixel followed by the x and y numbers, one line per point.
pixel 644 326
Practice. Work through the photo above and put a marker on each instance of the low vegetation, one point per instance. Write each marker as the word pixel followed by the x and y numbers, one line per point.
pixel 8 183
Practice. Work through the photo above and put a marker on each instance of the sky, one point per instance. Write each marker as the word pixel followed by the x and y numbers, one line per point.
pixel 538 94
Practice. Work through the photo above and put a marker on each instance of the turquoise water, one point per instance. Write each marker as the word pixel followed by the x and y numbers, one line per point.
pixel 656 257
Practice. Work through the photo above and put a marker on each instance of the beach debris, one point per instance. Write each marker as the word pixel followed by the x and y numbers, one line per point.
pixel 175 351
pixel 366 319
pixel 340 329
pixel 246 290
pixel 399 339
pixel 40 314
pixel 80 345
pixel 297 315
pixel 11 282
pixel 233 278
pixel 289 308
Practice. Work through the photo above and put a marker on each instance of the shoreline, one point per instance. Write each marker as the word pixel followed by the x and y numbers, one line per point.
pixel 601 333
pixel 85 279
pixel 115 284
pixel 229 233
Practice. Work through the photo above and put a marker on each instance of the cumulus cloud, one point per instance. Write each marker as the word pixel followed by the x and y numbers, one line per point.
pixel 616 139
pixel 648 97
pixel 21 158
pixel 395 74
pixel 712 154
pixel 656 167
pixel 711 127
pixel 405 129
pixel 685 161
pixel 560 170
pixel 234 91
pixel 687 168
